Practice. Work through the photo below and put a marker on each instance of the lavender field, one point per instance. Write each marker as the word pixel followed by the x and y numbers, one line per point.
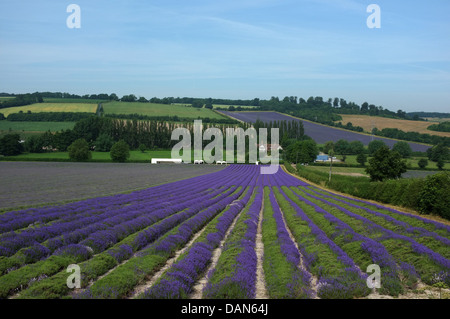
pixel 37 183
pixel 319 133
pixel 233 233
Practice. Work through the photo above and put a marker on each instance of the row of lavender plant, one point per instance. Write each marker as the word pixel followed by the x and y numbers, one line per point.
pixel 88 214
pixel 103 263
pixel 179 280
pixel 284 278
pixel 339 276
pixel 440 262
pixel 394 217
pixel 422 235
pixel 368 250
pixel 150 259
pixel 234 275
pixel 445 229
pixel 97 235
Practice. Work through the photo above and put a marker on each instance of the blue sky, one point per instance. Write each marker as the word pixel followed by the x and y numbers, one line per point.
pixel 232 49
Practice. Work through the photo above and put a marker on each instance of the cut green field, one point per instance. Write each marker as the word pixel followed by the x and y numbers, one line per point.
pixel 18 127
pixel 153 109
pixel 52 107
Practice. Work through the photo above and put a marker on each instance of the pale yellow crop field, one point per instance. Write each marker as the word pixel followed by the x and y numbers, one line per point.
pixel 51 107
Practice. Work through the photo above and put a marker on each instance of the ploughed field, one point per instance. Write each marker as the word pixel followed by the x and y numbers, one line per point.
pixel 234 233
pixel 318 132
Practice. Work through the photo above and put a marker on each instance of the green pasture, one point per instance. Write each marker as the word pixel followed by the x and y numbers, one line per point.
pixel 154 109
pixel 26 129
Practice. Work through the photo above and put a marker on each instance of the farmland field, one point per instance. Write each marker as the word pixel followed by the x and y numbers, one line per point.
pixel 318 132
pixel 369 122
pixel 31 183
pixel 233 233
pixel 52 107
pixel 153 109
pixel 7 127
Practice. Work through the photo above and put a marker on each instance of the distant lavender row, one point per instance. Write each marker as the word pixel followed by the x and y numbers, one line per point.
pixel 319 133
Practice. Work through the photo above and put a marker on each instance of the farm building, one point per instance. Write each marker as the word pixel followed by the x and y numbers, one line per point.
pixel 322 158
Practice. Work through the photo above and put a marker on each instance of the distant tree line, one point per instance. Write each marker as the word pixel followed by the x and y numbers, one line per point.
pixel 441 127
pixel 428 114
pixel 411 136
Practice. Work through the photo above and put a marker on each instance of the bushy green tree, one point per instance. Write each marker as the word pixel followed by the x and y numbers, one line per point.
pixel 142 147
pixel 356 147
pixel 422 163
pixel 403 148
pixel 302 151
pixel 439 151
pixel 79 150
pixel 374 146
pixel 385 164
pixel 440 164
pixel 103 143
pixel 10 145
pixel 120 151
pixel 361 158
pixel 328 146
pixel 342 147
pixel 434 197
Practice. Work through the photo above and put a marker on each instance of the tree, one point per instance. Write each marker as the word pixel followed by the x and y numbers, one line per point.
pixel 422 163
pixel 329 146
pixel 356 147
pixel 79 150
pixel 342 147
pixel 434 197
pixel 120 151
pixel 2 117
pixel 302 151
pixel 361 158
pixel 403 148
pixel 197 104
pixel 439 151
pixel 385 164
pixel 142 147
pixel 440 164
pixel 103 143
pixel 10 145
pixel 374 146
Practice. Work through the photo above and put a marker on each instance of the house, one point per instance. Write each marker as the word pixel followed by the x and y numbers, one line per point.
pixel 322 158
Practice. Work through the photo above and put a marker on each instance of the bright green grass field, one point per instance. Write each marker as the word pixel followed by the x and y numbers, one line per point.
pixel 51 107
pixel 153 109
pixel 27 129
pixel 35 126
